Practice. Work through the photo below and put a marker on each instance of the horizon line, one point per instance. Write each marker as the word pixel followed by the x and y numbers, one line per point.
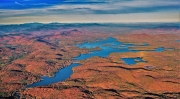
pixel 82 23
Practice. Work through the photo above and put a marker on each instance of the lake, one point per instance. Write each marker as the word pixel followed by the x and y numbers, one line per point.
pixel 132 61
pixel 108 46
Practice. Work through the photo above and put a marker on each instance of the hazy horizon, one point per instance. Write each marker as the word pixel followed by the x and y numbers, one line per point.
pixel 89 23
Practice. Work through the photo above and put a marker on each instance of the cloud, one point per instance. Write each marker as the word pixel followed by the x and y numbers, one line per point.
pixel 113 7
pixel 19 3
pixel 95 8
pixel 135 17
pixel 123 7
pixel 41 4
pixel 126 10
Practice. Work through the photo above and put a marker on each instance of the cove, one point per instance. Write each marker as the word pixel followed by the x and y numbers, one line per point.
pixel 132 61
pixel 108 46
pixel 61 75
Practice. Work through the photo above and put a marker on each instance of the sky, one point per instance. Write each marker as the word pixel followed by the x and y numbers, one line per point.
pixel 88 11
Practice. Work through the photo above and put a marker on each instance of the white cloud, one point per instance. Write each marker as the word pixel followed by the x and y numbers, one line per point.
pixel 85 8
pixel 67 10
pixel 19 3
pixel 40 4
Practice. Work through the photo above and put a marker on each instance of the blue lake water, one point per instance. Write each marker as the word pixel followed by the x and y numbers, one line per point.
pixel 159 49
pixel 108 46
pixel 61 75
pixel 132 61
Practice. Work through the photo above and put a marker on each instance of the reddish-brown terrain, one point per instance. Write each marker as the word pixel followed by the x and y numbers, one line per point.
pixel 25 58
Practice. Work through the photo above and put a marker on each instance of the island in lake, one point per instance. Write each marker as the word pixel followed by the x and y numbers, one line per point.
pixel 90 60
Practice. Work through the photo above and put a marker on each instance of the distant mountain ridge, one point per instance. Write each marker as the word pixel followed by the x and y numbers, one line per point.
pixel 35 26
